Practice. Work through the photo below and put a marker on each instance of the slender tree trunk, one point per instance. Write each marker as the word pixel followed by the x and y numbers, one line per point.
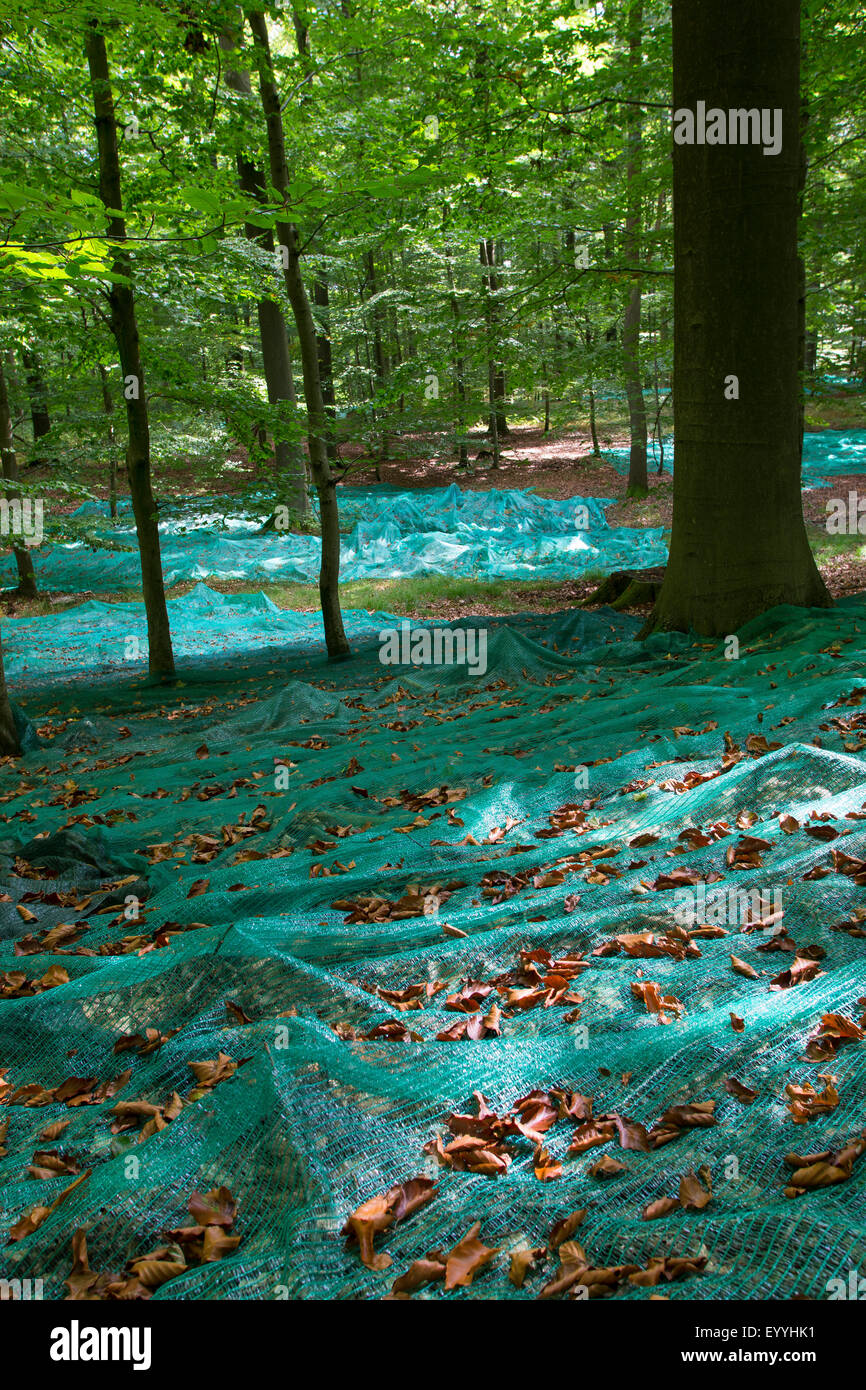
pixel 486 256
pixel 491 255
pixel 121 301
pixel 26 574
pixel 322 301
pixel 325 483
pixel 593 432
pixel 379 358
pixel 108 407
pixel 276 359
pixel 459 364
pixel 502 428
pixel 10 745
pixel 588 337
pixel 38 397
pixel 738 544
pixel 637 473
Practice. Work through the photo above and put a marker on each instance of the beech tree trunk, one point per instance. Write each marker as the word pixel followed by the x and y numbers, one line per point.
pixel 276 358
pixel 26 574
pixel 324 481
pixel 487 256
pixel 108 407
pixel 458 362
pixel 637 472
pixel 121 303
pixel 38 397
pixel 322 301
pixel 9 742
pixel 738 544
pixel 379 359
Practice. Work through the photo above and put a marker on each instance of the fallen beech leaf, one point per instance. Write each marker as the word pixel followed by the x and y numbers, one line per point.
pixel 741 1092
pixel 33 1219
pixel 418 1274
pixel 154 1270
pixel 565 1228
pixel 522 1261
pixel 662 1206
pixel 216 1208
pixel 693 1195
pixel 805 1103
pixel 466 1259
pixel 607 1167
pixel 802 970
pixel 383 1211
pixel 546 1169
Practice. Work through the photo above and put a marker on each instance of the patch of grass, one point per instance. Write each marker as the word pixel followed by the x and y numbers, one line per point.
pixel 843 411
pixel 827 548
pixel 424 596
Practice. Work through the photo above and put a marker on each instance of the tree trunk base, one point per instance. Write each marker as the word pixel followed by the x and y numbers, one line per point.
pixel 627 589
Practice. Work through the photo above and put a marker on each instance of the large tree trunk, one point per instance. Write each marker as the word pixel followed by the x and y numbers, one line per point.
pixel 738 544
pixel 26 575
pixel 38 397
pixel 9 742
pixel 637 474
pixel 276 359
pixel 325 483
pixel 121 302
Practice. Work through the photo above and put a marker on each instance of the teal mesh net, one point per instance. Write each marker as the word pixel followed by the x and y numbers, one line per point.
pixel 388 534
pixel 154 794
pixel 827 454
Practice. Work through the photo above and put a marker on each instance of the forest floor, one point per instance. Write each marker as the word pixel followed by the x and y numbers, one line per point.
pixel 337 993
pixel 556 465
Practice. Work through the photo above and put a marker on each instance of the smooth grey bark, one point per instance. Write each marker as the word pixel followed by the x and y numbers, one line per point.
pixel 322 301
pixel 486 255
pixel 637 470
pixel 273 338
pixel 459 369
pixel 380 360
pixel 124 327
pixel 9 742
pixel 108 407
pixel 26 573
pixel 738 544
pixel 323 479
pixel 37 395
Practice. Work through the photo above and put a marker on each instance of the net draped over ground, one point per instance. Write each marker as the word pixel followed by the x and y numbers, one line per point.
pixel 827 455
pixel 161 788
pixel 389 534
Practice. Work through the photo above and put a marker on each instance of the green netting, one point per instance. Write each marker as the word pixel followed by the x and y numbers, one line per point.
pixel 481 535
pixel 312 1123
pixel 826 455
